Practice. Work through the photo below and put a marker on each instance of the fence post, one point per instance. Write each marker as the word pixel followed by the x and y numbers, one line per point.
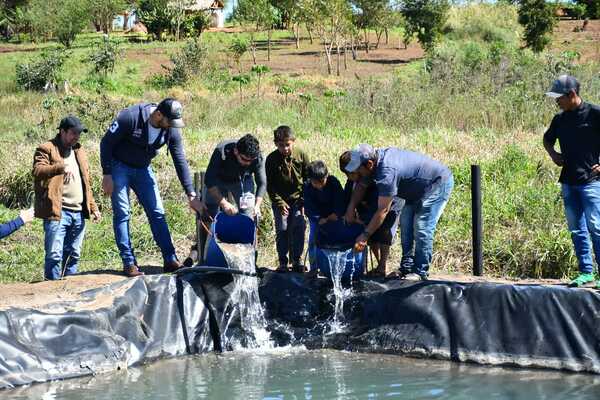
pixel 477 228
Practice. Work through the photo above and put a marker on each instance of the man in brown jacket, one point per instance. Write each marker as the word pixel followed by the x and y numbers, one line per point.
pixel 63 197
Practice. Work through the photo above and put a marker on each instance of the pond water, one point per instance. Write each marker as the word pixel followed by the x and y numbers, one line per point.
pixel 299 374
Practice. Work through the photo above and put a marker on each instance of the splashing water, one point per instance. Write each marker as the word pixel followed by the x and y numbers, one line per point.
pixel 337 267
pixel 245 298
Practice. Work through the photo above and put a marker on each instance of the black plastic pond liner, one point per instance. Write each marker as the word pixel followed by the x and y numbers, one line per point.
pixel 147 318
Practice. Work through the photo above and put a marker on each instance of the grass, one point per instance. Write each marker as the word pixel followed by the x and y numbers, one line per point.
pixel 470 102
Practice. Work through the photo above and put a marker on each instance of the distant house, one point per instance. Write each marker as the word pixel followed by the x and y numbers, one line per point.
pixel 214 7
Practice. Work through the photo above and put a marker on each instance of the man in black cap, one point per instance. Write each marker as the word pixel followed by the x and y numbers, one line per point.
pixel 126 151
pixel 63 197
pixel 577 129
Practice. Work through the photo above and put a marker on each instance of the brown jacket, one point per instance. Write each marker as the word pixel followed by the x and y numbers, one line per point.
pixel 48 169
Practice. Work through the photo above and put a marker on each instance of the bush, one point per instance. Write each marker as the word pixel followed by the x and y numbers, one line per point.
pixel 538 20
pixel 41 74
pixel 104 58
pixel 60 19
pixel 189 61
pixel 484 22
pixel 426 19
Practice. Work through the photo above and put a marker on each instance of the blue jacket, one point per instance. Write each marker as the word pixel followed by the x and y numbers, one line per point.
pixel 126 140
pixel 10 227
pixel 321 203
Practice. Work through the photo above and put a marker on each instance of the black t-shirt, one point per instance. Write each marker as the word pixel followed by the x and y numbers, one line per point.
pixel 578 133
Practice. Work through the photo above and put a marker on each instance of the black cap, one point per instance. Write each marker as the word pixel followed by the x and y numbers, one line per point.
pixel 171 109
pixel 72 122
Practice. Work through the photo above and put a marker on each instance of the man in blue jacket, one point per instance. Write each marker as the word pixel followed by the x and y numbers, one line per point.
pixel 126 152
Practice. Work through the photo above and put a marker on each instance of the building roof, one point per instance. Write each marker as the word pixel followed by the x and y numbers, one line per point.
pixel 200 5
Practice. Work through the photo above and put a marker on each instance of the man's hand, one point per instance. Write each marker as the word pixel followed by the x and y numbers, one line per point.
pixel 350 217
pixel 96 216
pixel 557 158
pixel 257 212
pixel 26 215
pixel 360 244
pixel 107 185
pixel 197 205
pixel 228 208
pixel 284 209
pixel 595 169
pixel 332 217
pixel 68 175
pixel 322 221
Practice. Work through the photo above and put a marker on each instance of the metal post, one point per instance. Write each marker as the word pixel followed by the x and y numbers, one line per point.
pixel 200 232
pixel 477 228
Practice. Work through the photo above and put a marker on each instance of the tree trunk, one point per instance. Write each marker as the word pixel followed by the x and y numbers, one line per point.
pixel 310 36
pixel 269 45
pixel 353 49
pixel 125 20
pixel 379 33
pixel 366 41
pixel 337 45
pixel 258 86
pixel 345 56
pixel 328 55
pixel 297 27
pixel 387 36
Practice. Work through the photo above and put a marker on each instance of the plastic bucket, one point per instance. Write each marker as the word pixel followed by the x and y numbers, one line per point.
pixel 232 229
pixel 338 236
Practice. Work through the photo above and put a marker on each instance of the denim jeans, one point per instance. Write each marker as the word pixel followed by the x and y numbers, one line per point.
pixel 62 243
pixel 312 243
pixel 143 183
pixel 418 221
pixel 582 209
pixel 289 232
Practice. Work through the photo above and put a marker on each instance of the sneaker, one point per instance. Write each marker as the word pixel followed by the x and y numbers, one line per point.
pixel 411 277
pixel 282 268
pixel 299 268
pixel 132 271
pixel 582 280
pixel 424 276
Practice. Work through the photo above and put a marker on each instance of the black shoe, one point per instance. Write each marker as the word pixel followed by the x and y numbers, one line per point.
pixel 171 266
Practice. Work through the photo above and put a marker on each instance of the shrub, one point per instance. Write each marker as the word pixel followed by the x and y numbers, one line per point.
pixel 60 19
pixel 189 61
pixel 43 73
pixel 103 59
pixel 426 19
pixel 538 20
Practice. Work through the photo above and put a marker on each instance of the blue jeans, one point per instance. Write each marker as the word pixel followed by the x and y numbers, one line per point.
pixel 62 243
pixel 418 221
pixel 289 233
pixel 312 243
pixel 582 209
pixel 143 183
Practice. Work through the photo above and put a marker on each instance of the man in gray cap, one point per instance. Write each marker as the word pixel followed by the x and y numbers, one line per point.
pixel 423 183
pixel 126 151
pixel 577 129
pixel 63 197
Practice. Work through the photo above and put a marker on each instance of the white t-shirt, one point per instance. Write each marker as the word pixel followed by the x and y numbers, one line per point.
pixel 153 132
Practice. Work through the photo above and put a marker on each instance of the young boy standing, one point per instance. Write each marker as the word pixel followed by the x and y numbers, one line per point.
pixel 323 202
pixel 286 170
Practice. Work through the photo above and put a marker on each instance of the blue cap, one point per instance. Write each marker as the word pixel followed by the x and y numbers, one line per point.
pixel 358 156
pixel 562 86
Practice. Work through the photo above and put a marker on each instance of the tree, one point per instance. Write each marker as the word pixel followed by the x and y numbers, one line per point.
pixel 157 16
pixel 262 15
pixel 538 20
pixel 332 21
pixel 238 48
pixel 426 19
pixel 259 70
pixel 368 15
pixel 592 8
pixel 60 19
pixel 14 21
pixel 242 80
pixel 104 11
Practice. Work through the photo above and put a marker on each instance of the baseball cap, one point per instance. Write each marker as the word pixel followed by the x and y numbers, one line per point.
pixel 563 85
pixel 358 156
pixel 71 121
pixel 171 109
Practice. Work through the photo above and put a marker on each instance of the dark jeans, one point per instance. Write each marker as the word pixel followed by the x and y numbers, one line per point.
pixel 62 241
pixel 290 231
pixel 582 209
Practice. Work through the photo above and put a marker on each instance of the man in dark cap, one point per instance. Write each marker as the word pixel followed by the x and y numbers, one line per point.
pixel 229 177
pixel 126 152
pixel 63 197
pixel 577 129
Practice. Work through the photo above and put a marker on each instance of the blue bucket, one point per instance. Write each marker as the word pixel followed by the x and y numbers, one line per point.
pixel 234 229
pixel 340 237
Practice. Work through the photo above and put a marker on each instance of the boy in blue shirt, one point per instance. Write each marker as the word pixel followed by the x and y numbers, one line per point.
pixel 323 202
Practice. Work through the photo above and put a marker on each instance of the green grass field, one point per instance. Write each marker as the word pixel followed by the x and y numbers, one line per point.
pixel 476 100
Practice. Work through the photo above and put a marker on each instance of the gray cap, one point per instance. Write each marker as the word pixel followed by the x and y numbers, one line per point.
pixel 358 156
pixel 562 86
pixel 171 109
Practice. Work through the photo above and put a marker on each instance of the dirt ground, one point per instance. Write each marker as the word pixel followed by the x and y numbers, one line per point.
pixel 37 295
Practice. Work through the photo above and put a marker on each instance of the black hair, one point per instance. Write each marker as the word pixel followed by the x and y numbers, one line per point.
pixel 248 146
pixel 317 170
pixel 283 133
pixel 345 160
